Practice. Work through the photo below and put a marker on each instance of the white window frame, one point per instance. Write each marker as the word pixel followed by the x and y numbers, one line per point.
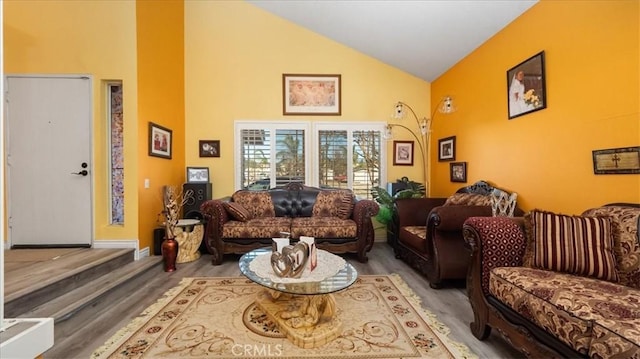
pixel 272 126
pixel 311 150
pixel 350 127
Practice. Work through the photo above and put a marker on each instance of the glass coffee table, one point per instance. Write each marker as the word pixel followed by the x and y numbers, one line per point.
pixel 305 311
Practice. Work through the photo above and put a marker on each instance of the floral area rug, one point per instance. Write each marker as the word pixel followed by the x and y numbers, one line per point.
pixel 216 318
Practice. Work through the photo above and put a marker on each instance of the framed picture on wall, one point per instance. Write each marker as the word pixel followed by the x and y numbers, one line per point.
pixel 403 153
pixel 624 160
pixel 447 149
pixel 311 94
pixel 197 174
pixel 526 89
pixel 160 141
pixel 209 148
pixel 458 171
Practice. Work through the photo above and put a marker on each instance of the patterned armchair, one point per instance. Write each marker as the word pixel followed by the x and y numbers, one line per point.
pixel 557 285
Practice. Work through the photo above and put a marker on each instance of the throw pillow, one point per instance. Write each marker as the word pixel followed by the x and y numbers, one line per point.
pixel 626 243
pixel 570 244
pixel 334 203
pixel 237 211
pixel 346 206
pixel 468 199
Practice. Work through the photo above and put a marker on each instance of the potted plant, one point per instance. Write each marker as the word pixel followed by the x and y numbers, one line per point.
pixel 387 213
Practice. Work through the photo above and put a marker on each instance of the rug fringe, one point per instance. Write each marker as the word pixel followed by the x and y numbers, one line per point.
pixel 430 317
pixel 141 318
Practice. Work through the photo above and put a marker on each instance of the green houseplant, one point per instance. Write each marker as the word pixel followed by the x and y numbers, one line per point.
pixel 386 200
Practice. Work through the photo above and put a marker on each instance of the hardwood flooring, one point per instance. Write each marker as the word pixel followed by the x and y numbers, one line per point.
pixel 79 336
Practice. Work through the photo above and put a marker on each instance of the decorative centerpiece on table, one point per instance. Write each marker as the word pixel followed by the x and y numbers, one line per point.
pixel 301 262
pixel 173 201
pixel 289 261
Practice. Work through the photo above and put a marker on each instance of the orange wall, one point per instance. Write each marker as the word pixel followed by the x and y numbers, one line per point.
pixel 160 38
pixel 592 83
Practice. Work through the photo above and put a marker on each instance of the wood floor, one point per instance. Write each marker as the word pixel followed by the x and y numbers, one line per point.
pixel 79 336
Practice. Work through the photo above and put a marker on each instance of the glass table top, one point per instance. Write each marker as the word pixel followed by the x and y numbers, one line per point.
pixel 341 280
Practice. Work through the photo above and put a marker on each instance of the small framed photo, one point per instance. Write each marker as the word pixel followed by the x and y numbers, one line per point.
pixel 403 153
pixel 311 94
pixel 198 174
pixel 624 160
pixel 447 149
pixel 160 141
pixel 209 148
pixel 458 171
pixel 526 90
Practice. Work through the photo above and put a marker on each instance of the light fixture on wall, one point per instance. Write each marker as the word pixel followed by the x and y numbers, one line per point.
pixel 445 106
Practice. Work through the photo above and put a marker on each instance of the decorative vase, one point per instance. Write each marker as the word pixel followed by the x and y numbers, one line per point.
pixel 169 254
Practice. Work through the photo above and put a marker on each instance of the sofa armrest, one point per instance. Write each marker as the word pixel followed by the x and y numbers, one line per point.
pixel 216 216
pixel 363 210
pixel 494 242
pixel 451 218
pixel 414 211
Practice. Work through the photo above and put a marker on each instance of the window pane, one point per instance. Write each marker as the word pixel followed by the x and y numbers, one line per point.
pixel 116 131
pixel 366 161
pixel 290 161
pixel 256 161
pixel 332 159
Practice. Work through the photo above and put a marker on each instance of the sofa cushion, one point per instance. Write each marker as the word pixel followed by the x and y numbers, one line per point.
pixel 468 199
pixel 334 203
pixel 529 292
pixel 570 244
pixel 264 227
pixel 323 227
pixel 414 237
pixel 258 203
pixel 617 340
pixel 575 309
pixel 237 211
pixel 626 246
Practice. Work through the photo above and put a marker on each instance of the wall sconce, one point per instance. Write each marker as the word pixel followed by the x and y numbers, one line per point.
pixel 446 106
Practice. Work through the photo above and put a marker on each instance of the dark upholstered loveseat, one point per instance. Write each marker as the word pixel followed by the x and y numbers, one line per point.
pixel 429 231
pixel 339 222
pixel 558 286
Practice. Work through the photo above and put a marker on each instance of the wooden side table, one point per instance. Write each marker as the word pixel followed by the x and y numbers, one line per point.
pixel 189 234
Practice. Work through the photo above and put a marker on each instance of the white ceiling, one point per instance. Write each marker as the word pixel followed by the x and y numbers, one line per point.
pixel 422 37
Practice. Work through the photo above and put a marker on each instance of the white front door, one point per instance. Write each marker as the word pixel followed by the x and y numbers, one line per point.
pixel 49 170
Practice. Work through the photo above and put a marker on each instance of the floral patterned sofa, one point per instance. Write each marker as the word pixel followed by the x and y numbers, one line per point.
pixel 556 285
pixel 339 222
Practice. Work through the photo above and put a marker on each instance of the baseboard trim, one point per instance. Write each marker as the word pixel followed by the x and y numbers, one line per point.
pixel 144 252
pixel 121 243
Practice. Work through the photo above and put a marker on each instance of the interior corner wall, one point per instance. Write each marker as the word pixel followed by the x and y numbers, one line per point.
pixel 160 38
pixel 84 37
pixel 235 55
pixel 593 94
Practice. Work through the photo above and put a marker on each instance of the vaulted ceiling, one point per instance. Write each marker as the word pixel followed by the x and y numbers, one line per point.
pixel 422 37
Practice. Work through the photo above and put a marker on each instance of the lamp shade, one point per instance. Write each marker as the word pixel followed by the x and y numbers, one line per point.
pixel 447 105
